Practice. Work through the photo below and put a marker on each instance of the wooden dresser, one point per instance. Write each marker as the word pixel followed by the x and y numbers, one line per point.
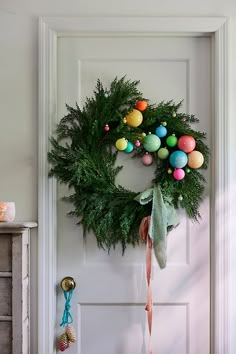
pixel 14 287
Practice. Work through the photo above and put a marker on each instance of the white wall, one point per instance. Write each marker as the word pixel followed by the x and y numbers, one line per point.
pixel 18 95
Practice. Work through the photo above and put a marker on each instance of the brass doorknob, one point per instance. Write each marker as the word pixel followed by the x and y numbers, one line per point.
pixel 68 283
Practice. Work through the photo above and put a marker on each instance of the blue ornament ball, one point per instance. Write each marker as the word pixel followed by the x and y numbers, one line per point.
pixel 178 159
pixel 151 142
pixel 161 131
pixel 130 147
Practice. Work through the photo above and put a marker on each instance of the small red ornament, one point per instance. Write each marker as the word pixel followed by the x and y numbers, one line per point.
pixel 141 105
pixel 137 143
pixel 107 128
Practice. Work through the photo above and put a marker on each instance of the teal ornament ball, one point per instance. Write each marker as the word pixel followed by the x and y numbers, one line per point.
pixel 161 131
pixel 178 159
pixel 130 147
pixel 171 141
pixel 163 153
pixel 151 142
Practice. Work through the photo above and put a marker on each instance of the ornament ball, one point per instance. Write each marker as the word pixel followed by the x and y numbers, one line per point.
pixel 161 131
pixel 178 174
pixel 134 118
pixel 186 143
pixel 169 171
pixel 180 198
pixel 107 128
pixel 137 143
pixel 121 144
pixel 141 105
pixel 171 140
pixel 147 159
pixel 178 159
pixel 195 159
pixel 163 153
pixel 151 142
pixel 130 147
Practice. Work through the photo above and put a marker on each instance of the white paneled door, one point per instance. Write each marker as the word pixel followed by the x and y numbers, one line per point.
pixel 109 300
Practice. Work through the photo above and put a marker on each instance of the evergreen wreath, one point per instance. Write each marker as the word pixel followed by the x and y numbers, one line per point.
pixel 83 157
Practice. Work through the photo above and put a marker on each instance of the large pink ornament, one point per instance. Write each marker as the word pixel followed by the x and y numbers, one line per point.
pixel 186 143
pixel 178 174
pixel 147 159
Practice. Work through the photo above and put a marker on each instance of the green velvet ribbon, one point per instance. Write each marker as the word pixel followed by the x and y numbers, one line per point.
pixel 163 218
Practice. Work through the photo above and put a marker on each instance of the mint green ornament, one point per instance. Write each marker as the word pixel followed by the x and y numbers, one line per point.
pixel 171 141
pixel 163 153
pixel 151 142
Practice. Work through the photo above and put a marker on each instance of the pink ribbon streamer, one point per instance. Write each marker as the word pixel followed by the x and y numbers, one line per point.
pixel 143 233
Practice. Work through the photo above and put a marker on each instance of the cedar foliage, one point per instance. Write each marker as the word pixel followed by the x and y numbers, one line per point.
pixel 82 157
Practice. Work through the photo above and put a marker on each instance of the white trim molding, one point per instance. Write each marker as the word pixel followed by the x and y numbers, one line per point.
pixel 50 29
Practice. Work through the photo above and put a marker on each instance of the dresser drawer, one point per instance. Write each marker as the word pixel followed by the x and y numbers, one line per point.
pixel 5 253
pixel 5 297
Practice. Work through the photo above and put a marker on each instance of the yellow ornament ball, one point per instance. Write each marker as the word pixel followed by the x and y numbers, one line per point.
pixel 134 118
pixel 121 144
pixel 195 159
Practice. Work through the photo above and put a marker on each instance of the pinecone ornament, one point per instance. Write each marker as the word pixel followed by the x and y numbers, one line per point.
pixel 64 342
pixel 71 333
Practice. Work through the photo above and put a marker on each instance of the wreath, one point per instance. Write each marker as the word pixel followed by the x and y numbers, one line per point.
pixel 83 156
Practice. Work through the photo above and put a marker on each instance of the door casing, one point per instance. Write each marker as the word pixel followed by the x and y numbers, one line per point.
pixel 50 29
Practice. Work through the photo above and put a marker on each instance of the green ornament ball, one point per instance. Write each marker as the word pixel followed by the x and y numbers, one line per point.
pixel 151 142
pixel 171 141
pixel 163 153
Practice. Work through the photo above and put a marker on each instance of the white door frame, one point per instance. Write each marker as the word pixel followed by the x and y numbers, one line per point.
pixel 50 29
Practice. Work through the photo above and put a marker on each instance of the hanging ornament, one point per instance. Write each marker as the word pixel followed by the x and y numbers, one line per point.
pixel 186 143
pixel 188 170
pixel 180 198
pixel 71 333
pixel 174 114
pixel 124 120
pixel 64 342
pixel 69 336
pixel 107 128
pixel 106 94
pixel 121 144
pixel 134 118
pixel 151 142
pixel 164 124
pixel 129 148
pixel 169 171
pixel 141 105
pixel 195 159
pixel 163 153
pixel 171 140
pixel 178 174
pixel 161 131
pixel 178 159
pixel 137 143
pixel 147 159
pixel 143 135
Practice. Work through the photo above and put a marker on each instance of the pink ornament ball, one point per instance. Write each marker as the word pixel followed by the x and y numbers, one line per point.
pixel 186 143
pixel 137 143
pixel 147 159
pixel 107 128
pixel 178 174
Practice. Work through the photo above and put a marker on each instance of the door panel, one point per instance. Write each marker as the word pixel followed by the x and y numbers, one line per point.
pixel 111 292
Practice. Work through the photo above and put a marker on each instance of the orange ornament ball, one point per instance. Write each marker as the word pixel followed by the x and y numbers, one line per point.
pixel 134 118
pixel 141 105
pixel 195 159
